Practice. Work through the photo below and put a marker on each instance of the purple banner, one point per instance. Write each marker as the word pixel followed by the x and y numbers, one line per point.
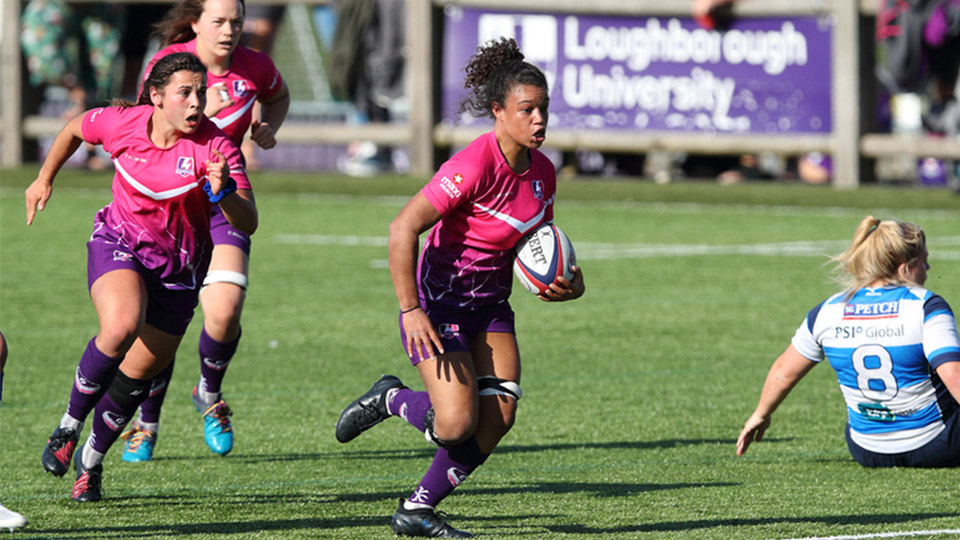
pixel 766 76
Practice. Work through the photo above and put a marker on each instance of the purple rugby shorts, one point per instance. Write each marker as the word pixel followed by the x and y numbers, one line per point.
pixel 168 310
pixel 223 233
pixel 457 326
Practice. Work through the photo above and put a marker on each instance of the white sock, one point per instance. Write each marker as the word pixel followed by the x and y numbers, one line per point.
pixel 90 457
pixel 207 397
pixel 70 422
pixel 407 505
pixel 149 426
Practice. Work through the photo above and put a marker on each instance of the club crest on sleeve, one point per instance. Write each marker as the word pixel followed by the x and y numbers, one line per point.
pixel 185 166
pixel 239 88
pixel 538 189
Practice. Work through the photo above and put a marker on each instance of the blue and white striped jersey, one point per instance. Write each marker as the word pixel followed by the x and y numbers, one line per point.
pixel 884 345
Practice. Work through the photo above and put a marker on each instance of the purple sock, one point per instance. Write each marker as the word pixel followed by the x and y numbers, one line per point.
pixel 411 406
pixel 109 420
pixel 93 377
pixel 150 409
pixel 214 359
pixel 449 469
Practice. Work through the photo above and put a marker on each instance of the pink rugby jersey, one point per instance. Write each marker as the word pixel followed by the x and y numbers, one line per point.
pixel 160 211
pixel 251 74
pixel 487 208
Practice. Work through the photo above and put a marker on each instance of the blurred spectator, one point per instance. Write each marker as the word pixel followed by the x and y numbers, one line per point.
pixel 920 42
pixel 136 46
pixel 260 24
pixel 813 168
pixel 73 46
pixel 367 68
pixel 711 13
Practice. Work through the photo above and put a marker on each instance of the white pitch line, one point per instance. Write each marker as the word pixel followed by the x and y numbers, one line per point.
pixel 612 251
pixel 902 534
pixel 331 240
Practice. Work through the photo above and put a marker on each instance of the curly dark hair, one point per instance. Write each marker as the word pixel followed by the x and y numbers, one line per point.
pixel 175 27
pixel 497 67
pixel 165 68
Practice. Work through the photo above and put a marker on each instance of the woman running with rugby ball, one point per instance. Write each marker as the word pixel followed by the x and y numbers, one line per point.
pixel 456 323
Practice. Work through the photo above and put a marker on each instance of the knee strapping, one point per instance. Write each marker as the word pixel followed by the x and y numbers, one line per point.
pixel 468 452
pixel 226 276
pixel 431 435
pixel 490 385
pixel 128 393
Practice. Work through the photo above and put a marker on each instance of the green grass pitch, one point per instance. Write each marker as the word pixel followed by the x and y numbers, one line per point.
pixel 634 394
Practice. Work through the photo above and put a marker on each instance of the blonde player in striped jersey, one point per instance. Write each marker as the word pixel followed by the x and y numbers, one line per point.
pixel 893 345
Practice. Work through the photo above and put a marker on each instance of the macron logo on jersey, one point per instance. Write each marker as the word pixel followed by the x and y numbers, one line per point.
pixel 879 310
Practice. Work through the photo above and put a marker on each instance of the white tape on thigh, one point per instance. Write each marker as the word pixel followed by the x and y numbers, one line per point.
pixel 492 386
pixel 226 276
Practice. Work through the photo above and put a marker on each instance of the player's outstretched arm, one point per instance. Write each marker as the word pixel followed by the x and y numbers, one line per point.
pixel 785 373
pixel 64 145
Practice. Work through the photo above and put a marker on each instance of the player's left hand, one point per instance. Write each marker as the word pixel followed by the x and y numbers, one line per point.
pixel 218 99
pixel 753 430
pixel 218 172
pixel 36 197
pixel 563 289
pixel 263 134
pixel 421 335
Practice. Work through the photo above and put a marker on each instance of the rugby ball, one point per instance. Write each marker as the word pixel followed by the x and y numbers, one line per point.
pixel 542 256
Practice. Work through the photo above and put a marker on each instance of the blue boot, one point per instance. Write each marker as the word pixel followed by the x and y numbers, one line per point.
pixel 217 430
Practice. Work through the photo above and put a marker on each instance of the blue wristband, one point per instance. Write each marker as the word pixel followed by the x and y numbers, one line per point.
pixel 227 189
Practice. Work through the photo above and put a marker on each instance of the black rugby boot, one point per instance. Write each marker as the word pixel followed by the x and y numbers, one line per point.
pixel 423 523
pixel 367 410
pixel 87 486
pixel 58 451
